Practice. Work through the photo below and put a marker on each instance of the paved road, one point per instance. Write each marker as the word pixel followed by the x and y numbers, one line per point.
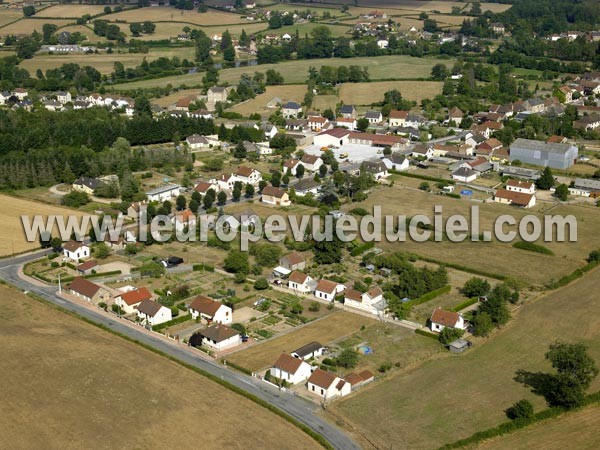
pixel 297 407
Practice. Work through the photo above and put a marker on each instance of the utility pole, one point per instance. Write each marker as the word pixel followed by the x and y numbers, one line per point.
pixel 59 285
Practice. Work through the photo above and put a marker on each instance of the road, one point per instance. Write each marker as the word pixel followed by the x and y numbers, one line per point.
pixel 301 409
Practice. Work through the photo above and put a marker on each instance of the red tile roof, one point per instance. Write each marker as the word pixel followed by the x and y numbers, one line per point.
pixel 84 287
pixel 326 286
pixel 288 363
pixel 445 318
pixel 136 296
pixel 298 277
pixel 205 305
pixel 322 379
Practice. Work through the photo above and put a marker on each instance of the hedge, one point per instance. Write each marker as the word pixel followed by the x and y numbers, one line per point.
pixel 462 268
pixel 200 267
pixel 422 177
pixel 530 246
pixel 103 274
pixel 427 334
pixel 170 323
pixel 430 296
pixel 238 368
pixel 362 248
pixel 465 304
pixel 578 273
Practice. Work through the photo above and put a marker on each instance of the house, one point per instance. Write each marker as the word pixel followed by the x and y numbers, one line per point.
pixel 200 114
pixel 367 301
pixel 63 97
pixel 153 313
pixel 358 380
pixel 335 137
pixel 4 97
pixel 300 282
pixel 74 250
pixel 270 130
pixel 382 43
pixel 130 300
pixel 348 111
pixel 327 385
pixel 247 175
pixel 312 163
pixel 459 345
pixel 514 198
pixel 88 291
pixel 217 337
pixel 87 267
pixel 422 152
pixel 162 193
pixel 306 186
pixel 498 28
pixel 291 165
pixel 374 117
pixel 490 145
pixel 309 351
pixel 455 115
pixel 272 195
pixel 376 168
pixel 184 219
pixel 296 124
pixel 291 370
pixel 327 290
pixel 204 186
pixel 218 94
pixel 87 185
pixel 346 122
pixel 556 156
pixel 585 187
pixel 524 187
pixel 293 261
pixel 318 123
pixel 210 310
pixel 441 319
pixel 20 93
pixel 397 118
pixel 587 123
pixel 479 165
pixel 136 210
pixel 464 174
pixel 291 110
pixel 197 142
pixel 396 161
pixel 414 121
pixel 53 105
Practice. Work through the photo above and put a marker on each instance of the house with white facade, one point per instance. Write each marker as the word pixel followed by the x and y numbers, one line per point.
pixel 370 301
pixel 309 351
pixel 441 319
pixel 291 370
pixel 184 219
pixel 162 193
pixel 291 110
pixel 584 187
pixel 524 187
pixel 247 175
pixel 291 166
pixel 312 163
pixel 514 198
pixel 318 123
pixel 300 282
pixel 346 122
pixel 197 142
pixel 219 337
pixel 153 313
pixel 335 137
pixel 327 385
pixel 129 300
pixel 396 161
pixel 397 118
pixel 327 290
pixel 272 195
pixel 464 174
pixel 210 310
pixel 74 250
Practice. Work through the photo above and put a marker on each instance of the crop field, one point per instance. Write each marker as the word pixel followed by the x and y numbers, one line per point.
pixel 330 328
pixel 67 383
pixel 26 26
pixel 577 429
pixel 13 237
pixel 368 93
pixel 8 16
pixel 294 92
pixel 71 11
pixel 103 62
pixel 453 396
pixel 168 14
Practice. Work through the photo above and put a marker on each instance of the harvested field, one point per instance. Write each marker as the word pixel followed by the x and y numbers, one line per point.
pixel 71 11
pixel 259 103
pixel 169 14
pixel 368 93
pixel 67 383
pixel 87 32
pixel 434 403
pixel 174 97
pixel 26 26
pixel 330 328
pixel 8 16
pixel 306 28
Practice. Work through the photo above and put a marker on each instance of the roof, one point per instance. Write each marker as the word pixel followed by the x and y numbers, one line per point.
pixel 291 163
pixel 556 139
pixel 551 147
pixel 366 375
pixel 493 143
pixel 519 184
pixel 398 114
pixel 593 185
pixel 310 159
pixel 149 307
pixel 347 109
pixel 326 286
pixel 464 172
pixel 335 132
pixel 84 287
pixel 372 114
pixel 396 158
pixel 161 189
pixel 317 119
pixel 354 379
pixel 87 265
pixel 136 296
pixel 381 139
pixel 305 184
pixel 92 183
pixel 294 258
pixel 516 198
pixel 455 112
pixel 345 119
pixel 445 318
pixel 244 171
pixel 374 166
pixel 308 349
pixel 291 105
pixel 205 305
pixel 353 294
pixel 203 186
pixel 288 363
pixel 218 332
pixel 273 191
pixel 298 277
pixel 73 246
pixel 375 291
pixel 322 379
pixel 196 139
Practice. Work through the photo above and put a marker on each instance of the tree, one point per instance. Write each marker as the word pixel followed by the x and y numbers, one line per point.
pixel 476 287
pixel 439 72
pixel 300 171
pixel 180 202
pixel 221 198
pixel 148 27
pixel 55 243
pixel 562 192
pixel 276 179
pixel 523 409
pixel 28 11
pixel 267 255
pixel 424 186
pixel 101 250
pixel 237 262
pixel 136 28
pixel 239 151
pixel 546 180
pixel 249 190
pixel 448 335
pixel 347 359
pixel 362 124
pixel 482 324
pixel 261 284
pixel 143 106
pixel 430 25
pixel 322 170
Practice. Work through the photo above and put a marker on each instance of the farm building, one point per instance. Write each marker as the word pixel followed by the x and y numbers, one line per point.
pixel 539 153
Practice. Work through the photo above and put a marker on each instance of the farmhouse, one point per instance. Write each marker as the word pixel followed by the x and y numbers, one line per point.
pixel 196 142
pixel 291 110
pixel 306 186
pixel 464 174
pixel 75 250
pixel 514 198
pixel 217 337
pixel 556 156
pixel 371 301
pixel 397 118
pixel 396 161
pixel 88 291
pixel 210 310
pixel 441 319
pixel 247 175
pixel 87 185
pixel 524 187
pixel 160 194
pixel 327 290
pixel 275 196
pixel 327 385
pixel 300 282
pixel 334 137
pixel 153 313
pixel 293 261
pixel 308 351
pixel 129 301
pixel 312 163
pixel 290 369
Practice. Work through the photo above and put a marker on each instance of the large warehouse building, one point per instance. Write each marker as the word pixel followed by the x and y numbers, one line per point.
pixel 556 156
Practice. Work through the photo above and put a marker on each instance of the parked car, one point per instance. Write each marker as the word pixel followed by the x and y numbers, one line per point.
pixel 174 261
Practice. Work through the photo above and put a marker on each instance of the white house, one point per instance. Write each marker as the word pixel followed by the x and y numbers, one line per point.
pixel 327 385
pixel 585 188
pixel 396 161
pixel 525 187
pixel 247 175
pixel 300 282
pixel 374 117
pixel 75 250
pixel 210 310
pixel 312 163
pixel 184 219
pixel 346 122
pixel 365 301
pixel 128 301
pixel 153 313
pixel 335 137
pixel 160 194
pixel 220 337
pixel 327 290
pixel 197 142
pixel 397 118
pixel 291 110
pixel 272 195
pixel 514 198
pixel 63 97
pixel 290 369
pixel 376 168
pixel 318 123
pixel 291 165
pixel 306 186
pixel 270 130
pixel 441 319
pixel 308 351
pixel 464 174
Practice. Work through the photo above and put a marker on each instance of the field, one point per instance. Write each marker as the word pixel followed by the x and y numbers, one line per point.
pixel 87 32
pixel 71 11
pixel 103 62
pixel 166 14
pixel 368 93
pixel 13 240
pixel 8 16
pixel 68 384
pixel 574 430
pixel 26 26
pixel 306 28
pixel 332 327
pixel 258 104
pixel 384 67
pixel 452 397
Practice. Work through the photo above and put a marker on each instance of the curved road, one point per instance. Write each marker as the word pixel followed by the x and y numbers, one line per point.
pixel 301 409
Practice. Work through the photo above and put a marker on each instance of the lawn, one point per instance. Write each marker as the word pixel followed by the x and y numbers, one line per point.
pixel 327 330
pixel 452 397
pixel 70 11
pixel 66 384
pixel 306 28
pixel 87 32
pixel 14 240
pixel 8 16
pixel 368 93
pixel 26 26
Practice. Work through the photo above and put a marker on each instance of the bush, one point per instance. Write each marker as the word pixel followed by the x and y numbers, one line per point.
pixel 465 304
pixel 239 327
pixel 383 368
pixel 530 246
pixel 448 335
pixel 75 199
pixel 523 409
pixel 170 323
pixel 261 284
pixel 347 359
pixel 426 333
pixel 203 267
pixel 314 306
pixel 362 248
